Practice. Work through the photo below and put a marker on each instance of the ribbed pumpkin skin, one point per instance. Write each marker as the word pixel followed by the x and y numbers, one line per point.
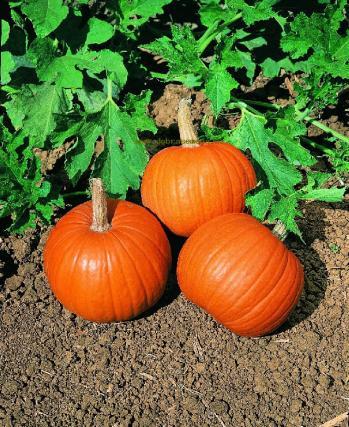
pixel 187 186
pixel 110 276
pixel 239 272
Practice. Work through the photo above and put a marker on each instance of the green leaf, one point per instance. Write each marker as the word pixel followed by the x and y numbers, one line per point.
pixel 254 43
pixel 251 134
pixel 98 31
pixel 341 50
pixel 286 136
pixel 212 13
pixel 313 190
pixel 7 66
pixel 305 33
pixel 36 109
pixel 5 31
pixel 181 53
pixel 136 106
pixel 25 195
pixel 261 11
pixel 17 18
pixel 317 36
pixel 286 210
pixel 124 157
pixel 316 179
pixel 80 155
pixel 218 87
pixel 46 15
pixel 237 59
pixel 339 157
pixel 325 194
pixel 135 13
pixel 315 91
pixel 62 71
pixel 245 61
pixel 110 61
pixel 260 202
pixel 65 70
pixel 271 68
pixel 92 101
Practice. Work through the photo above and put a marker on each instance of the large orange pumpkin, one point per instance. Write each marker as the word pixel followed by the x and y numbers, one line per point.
pixel 105 272
pixel 239 272
pixel 187 185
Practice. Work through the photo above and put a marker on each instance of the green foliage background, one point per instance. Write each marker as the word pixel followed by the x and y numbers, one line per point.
pixel 67 68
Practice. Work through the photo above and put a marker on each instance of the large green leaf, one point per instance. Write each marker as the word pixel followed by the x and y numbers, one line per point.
pixel 123 157
pixel 253 135
pixel 136 106
pixel 182 55
pixel 260 202
pixel 66 70
pixel 286 136
pixel 35 109
pixel 286 210
pixel 5 31
pixel 46 15
pixel 218 87
pixel 7 66
pixel 80 155
pixel 135 13
pixel 318 37
pixel 98 31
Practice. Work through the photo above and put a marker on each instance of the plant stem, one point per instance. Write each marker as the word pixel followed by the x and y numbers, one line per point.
pixel 326 129
pixel 187 132
pixel 242 105
pixel 280 231
pixel 318 146
pixel 202 42
pixel 110 89
pixel 212 32
pixel 99 207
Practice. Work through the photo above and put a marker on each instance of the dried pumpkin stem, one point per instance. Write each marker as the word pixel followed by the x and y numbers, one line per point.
pixel 99 206
pixel 187 132
pixel 280 231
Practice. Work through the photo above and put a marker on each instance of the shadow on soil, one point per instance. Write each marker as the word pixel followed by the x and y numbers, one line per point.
pixel 316 276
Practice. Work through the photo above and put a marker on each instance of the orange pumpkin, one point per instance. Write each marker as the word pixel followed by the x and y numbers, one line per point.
pixel 187 185
pixel 240 273
pixel 105 272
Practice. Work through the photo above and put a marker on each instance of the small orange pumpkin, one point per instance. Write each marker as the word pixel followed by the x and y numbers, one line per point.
pixel 239 272
pixel 107 272
pixel 187 185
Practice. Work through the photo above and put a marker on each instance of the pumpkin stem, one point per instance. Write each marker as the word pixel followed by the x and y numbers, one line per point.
pixel 187 132
pixel 280 231
pixel 99 206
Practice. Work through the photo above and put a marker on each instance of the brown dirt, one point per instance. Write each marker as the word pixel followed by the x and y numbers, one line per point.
pixel 50 157
pixel 176 366
pixel 165 108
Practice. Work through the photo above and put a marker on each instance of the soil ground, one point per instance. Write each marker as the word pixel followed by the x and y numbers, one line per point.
pixel 176 366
